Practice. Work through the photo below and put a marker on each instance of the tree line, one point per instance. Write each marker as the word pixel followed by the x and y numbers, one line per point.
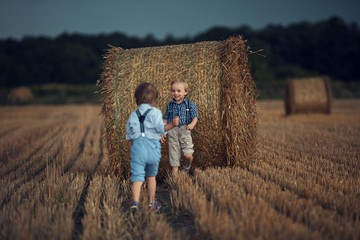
pixel 330 47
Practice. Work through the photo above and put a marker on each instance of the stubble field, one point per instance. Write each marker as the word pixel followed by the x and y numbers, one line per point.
pixel 304 184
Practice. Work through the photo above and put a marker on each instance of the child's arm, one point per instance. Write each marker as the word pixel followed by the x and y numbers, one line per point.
pixel 130 142
pixel 174 123
pixel 163 136
pixel 192 124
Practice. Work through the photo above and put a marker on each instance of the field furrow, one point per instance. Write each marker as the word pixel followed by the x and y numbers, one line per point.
pixel 297 209
pixel 25 159
pixel 45 213
pixel 304 183
pixel 306 187
pixel 11 128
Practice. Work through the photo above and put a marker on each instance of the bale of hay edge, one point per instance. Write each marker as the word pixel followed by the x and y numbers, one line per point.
pixel 305 95
pixel 220 84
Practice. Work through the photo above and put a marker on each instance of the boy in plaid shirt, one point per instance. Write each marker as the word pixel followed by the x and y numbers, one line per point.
pixel 179 138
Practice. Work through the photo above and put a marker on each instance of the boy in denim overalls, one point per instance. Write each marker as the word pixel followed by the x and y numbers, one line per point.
pixel 143 132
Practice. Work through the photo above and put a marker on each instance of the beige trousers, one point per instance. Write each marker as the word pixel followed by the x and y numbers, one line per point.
pixel 179 139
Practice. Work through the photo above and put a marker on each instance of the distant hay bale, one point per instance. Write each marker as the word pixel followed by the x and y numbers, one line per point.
pixel 221 86
pixel 305 95
pixel 21 95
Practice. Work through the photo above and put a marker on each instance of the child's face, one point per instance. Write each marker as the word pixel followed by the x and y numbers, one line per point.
pixel 178 91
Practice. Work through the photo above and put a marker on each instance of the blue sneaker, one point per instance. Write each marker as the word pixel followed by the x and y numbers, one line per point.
pixel 155 206
pixel 185 168
pixel 135 207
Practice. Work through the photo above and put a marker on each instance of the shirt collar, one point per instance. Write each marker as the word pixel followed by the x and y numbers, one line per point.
pixel 144 106
pixel 184 101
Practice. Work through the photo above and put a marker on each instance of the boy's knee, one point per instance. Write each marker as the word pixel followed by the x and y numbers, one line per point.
pixel 189 157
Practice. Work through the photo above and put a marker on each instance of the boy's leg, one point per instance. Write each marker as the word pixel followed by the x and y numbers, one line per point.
pixel 174 150
pixel 187 145
pixel 135 190
pixel 175 170
pixel 151 186
pixel 188 160
pixel 137 168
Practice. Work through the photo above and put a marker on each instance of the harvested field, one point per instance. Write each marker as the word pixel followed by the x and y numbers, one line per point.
pixel 305 183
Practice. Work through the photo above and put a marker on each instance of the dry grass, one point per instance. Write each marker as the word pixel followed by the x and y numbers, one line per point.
pixel 303 185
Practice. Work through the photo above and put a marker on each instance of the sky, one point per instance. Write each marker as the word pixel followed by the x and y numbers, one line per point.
pixel 161 18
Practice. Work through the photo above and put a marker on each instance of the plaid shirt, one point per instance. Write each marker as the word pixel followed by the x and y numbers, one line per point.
pixel 174 109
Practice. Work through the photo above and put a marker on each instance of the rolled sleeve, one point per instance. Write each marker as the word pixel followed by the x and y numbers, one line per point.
pixel 193 111
pixel 158 122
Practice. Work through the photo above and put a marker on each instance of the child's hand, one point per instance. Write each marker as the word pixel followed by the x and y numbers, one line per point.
pixel 190 126
pixel 163 138
pixel 176 121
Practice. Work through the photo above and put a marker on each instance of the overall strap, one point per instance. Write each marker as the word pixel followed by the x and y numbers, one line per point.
pixel 187 112
pixel 141 119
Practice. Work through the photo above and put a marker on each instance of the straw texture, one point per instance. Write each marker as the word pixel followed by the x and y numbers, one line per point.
pixel 305 95
pixel 220 84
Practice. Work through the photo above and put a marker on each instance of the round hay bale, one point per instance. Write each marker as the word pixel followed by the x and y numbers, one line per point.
pixel 220 84
pixel 305 95
pixel 21 95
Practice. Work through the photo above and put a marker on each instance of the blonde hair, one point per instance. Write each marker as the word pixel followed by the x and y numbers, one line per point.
pixel 181 80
